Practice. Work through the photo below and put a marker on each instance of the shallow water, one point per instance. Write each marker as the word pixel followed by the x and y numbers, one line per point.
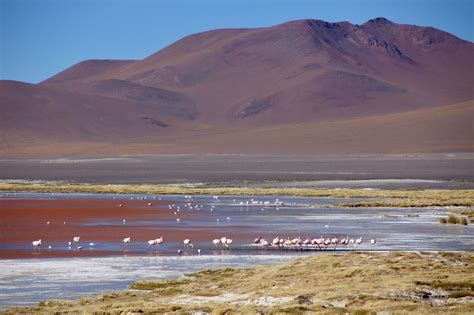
pixel 26 281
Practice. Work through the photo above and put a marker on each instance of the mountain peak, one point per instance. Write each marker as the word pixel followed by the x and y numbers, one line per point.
pixel 379 21
pixel 314 23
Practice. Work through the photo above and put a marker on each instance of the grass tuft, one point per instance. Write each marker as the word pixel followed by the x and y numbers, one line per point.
pixel 454 219
pixel 154 285
pixel 462 220
pixel 465 212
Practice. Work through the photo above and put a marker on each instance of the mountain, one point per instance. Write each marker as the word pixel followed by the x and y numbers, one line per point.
pixel 293 77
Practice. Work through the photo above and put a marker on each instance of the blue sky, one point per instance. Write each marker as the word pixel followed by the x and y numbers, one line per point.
pixel 40 38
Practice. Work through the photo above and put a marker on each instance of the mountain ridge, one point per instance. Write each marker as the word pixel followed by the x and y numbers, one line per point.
pixel 303 71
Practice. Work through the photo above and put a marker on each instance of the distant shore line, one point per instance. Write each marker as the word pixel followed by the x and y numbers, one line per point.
pixel 387 197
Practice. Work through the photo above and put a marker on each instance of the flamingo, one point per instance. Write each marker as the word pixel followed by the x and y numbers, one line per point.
pixel 76 239
pixel 187 243
pixel 228 242
pixel 151 242
pixel 315 241
pixel 265 243
pixel 257 240
pixel 36 244
pixel 276 241
pixel 199 251
pixel 373 241
pixel 180 252
pixel 344 241
pixel 126 240
pixel 216 241
pixel 358 241
pixel 224 240
pixel 326 243
pixel 159 241
pixel 335 241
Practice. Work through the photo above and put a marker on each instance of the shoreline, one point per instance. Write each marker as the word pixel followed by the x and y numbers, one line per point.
pixel 419 282
pixel 395 197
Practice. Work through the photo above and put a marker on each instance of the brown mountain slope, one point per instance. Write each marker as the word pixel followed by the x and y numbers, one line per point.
pixel 33 113
pixel 304 70
pixel 165 101
pixel 87 69
pixel 297 76
pixel 446 128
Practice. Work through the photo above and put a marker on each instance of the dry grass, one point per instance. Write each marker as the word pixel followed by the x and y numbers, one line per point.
pixel 358 283
pixel 396 198
pixel 465 212
pixel 454 219
pixel 414 202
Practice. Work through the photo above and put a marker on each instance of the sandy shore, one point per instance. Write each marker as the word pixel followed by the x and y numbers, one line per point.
pixel 361 283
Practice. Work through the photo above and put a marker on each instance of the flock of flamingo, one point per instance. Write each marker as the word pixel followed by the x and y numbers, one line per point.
pixel 277 243
pixel 224 241
pixel 311 243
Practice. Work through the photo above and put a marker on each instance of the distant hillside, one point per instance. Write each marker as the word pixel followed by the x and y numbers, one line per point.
pixel 266 87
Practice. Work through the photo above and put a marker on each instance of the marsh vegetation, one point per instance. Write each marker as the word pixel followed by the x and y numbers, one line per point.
pixel 418 282
pixel 388 198
pixel 454 219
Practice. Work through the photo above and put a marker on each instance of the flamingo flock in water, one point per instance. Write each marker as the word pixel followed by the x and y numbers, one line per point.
pixel 321 243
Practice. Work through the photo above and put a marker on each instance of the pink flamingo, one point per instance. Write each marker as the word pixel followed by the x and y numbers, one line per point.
pixel 36 244
pixel 187 243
